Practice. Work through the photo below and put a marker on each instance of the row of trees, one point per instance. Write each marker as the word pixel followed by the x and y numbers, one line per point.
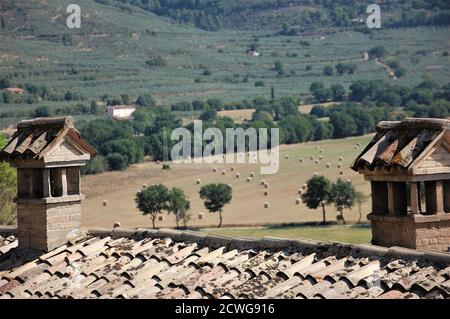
pixel 156 199
pixel 355 112
pixel 322 192
pixel 121 143
pixel 429 98
pixel 341 69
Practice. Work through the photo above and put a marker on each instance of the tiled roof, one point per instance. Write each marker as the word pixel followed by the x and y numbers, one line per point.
pixel 174 264
pixel 34 138
pixel 397 145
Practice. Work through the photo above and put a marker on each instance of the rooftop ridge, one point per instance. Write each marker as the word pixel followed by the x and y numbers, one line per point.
pixel 267 242
pixel 47 121
pixel 416 123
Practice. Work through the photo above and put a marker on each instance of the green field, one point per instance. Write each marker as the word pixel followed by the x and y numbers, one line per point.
pixel 108 54
pixel 346 234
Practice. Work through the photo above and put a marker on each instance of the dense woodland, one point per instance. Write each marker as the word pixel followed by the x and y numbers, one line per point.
pixel 354 113
pixel 217 14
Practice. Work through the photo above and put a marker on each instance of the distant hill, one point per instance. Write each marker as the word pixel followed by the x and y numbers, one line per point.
pixel 129 48
pixel 300 14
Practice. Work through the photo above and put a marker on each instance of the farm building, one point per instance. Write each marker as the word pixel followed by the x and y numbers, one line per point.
pixel 120 112
pixel 167 263
pixel 15 90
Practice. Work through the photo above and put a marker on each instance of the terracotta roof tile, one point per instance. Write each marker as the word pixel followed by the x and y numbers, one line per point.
pixel 150 265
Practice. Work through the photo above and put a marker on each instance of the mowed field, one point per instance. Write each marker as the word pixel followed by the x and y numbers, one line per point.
pixel 247 206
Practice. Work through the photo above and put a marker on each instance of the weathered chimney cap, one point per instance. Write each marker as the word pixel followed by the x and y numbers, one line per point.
pixel 47 121
pixel 36 138
pixel 414 123
pixel 401 146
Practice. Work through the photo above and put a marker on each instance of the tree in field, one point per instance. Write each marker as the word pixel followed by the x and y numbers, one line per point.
pixel 145 100
pixel 343 195
pixel 317 194
pixel 4 83
pixel 360 198
pixel 216 196
pixel 377 52
pixel 320 92
pixel 8 182
pixel 338 92
pixel 328 70
pixel 178 204
pixel 152 201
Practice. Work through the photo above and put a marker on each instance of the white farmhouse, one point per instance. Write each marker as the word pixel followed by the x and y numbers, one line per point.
pixel 120 112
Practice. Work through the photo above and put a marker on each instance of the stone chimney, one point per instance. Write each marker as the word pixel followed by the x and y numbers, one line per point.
pixel 408 166
pixel 48 154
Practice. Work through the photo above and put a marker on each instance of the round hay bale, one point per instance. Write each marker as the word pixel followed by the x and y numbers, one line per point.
pixel 232 169
pixel 266 193
pixel 321 151
pixel 312 158
pixel 266 185
pixel 317 161
pixel 230 185
pixel 201 215
pixel 341 159
pixel 320 157
pixel 315 174
pixel 339 165
pixel 198 181
pixel 105 203
pixel 328 165
pixel 252 174
pixel 263 181
pixel 359 144
pixel 349 180
pixel 224 172
pixel 144 186
pixel 117 225
pixel 304 186
pixel 301 160
pixel 266 204
pixel 249 179
pixel 300 191
pixel 238 175
pixel 286 156
pixel 317 147
pixel 341 173
pixel 161 218
pixel 298 201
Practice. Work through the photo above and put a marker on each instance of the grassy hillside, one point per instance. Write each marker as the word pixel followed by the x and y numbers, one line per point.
pixel 108 56
pixel 246 208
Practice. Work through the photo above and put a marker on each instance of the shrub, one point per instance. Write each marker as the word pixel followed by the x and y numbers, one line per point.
pixel 145 100
pixel 259 83
pixel 156 61
pixel 116 162
pixel 42 111
pixel 328 70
